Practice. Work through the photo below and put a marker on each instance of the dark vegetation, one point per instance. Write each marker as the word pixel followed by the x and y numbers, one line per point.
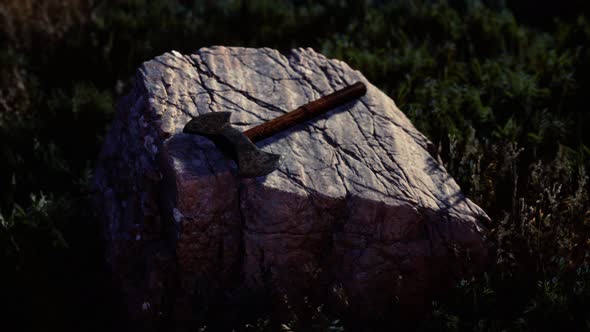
pixel 502 92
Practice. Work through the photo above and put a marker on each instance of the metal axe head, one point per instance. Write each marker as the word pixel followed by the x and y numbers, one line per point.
pixel 252 161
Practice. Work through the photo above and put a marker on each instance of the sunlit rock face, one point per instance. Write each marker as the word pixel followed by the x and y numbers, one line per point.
pixel 360 204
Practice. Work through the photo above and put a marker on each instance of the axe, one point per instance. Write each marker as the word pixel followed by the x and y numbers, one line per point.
pixel 239 146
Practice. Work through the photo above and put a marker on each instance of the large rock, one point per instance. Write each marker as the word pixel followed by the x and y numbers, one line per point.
pixel 360 204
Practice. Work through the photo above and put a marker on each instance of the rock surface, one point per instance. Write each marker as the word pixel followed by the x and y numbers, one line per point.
pixel 360 203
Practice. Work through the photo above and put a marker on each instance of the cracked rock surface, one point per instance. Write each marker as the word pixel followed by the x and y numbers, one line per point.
pixel 360 204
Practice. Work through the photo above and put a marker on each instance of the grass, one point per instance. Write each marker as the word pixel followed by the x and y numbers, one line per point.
pixel 500 92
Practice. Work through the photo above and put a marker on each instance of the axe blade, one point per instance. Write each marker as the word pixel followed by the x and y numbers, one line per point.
pixel 252 161
pixel 208 124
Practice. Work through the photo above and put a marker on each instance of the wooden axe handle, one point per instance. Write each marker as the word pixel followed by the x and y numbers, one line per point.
pixel 306 112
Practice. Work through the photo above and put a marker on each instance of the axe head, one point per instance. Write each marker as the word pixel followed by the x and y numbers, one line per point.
pixel 252 162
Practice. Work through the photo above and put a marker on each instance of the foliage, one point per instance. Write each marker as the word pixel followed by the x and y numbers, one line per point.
pixel 500 92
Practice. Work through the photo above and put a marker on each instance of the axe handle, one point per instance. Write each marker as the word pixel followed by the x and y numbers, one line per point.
pixel 306 112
